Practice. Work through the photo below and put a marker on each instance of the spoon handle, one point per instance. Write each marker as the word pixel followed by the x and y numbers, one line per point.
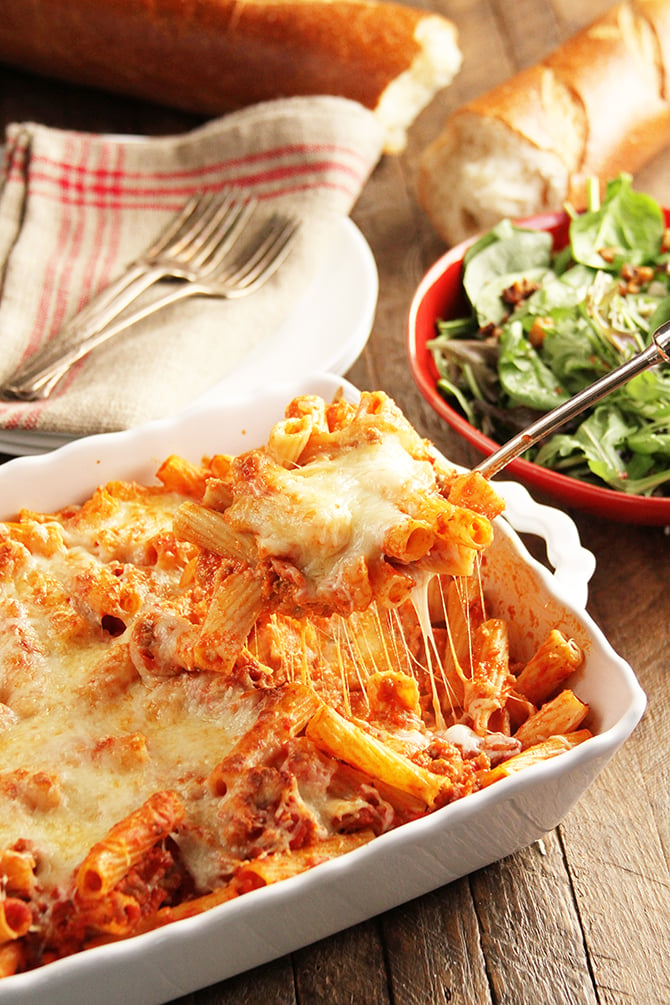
pixel 658 350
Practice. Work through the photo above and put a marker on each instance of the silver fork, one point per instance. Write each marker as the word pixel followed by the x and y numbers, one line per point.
pixel 187 240
pixel 195 240
pixel 251 270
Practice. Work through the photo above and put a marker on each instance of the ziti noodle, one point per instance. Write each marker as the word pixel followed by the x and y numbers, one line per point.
pixel 222 679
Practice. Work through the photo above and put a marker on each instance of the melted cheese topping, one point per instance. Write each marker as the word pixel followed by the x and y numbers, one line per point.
pixel 127 727
pixel 330 517
pixel 89 740
pixel 361 496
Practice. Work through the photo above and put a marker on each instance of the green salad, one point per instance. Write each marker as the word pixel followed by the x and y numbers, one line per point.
pixel 544 324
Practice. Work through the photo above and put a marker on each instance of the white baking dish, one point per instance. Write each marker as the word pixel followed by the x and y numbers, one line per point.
pixel 398 866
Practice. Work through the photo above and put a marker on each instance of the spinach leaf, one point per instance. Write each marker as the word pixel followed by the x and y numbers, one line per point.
pixel 490 306
pixel 568 290
pixel 500 232
pixel 511 250
pixel 524 378
pixel 629 223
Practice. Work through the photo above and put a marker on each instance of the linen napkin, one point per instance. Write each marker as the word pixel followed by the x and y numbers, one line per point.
pixel 76 208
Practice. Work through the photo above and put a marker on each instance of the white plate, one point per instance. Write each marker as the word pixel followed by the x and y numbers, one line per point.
pixel 402 864
pixel 325 333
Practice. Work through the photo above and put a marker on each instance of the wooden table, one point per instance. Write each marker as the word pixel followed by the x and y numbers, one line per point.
pixel 585 916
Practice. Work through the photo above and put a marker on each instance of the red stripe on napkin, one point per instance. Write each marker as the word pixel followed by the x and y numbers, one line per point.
pixel 72 182
pixel 100 267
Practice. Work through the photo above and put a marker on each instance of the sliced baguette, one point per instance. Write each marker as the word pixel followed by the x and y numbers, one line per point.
pixel 598 105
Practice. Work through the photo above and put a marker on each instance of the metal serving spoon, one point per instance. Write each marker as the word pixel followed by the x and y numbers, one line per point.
pixel 657 352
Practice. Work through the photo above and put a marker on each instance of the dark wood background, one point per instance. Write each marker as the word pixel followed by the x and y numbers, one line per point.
pixel 584 916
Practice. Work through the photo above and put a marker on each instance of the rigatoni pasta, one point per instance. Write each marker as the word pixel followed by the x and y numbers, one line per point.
pixel 217 681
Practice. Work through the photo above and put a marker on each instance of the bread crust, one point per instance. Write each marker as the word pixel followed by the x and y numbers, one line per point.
pixel 211 56
pixel 598 105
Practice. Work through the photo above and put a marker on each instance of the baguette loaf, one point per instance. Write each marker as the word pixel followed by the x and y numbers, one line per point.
pixel 597 106
pixel 211 56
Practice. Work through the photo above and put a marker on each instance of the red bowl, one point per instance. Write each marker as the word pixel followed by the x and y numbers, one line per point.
pixel 440 295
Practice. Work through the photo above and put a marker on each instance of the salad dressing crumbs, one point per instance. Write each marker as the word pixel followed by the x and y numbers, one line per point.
pixel 545 323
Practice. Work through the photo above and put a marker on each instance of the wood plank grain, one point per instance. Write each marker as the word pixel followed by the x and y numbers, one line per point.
pixel 25 97
pixel 617 839
pixel 621 884
pixel 486 57
pixel 391 235
pixel 271 984
pixel 531 932
pixel 575 14
pixel 434 950
pixel 531 30
pixel 346 969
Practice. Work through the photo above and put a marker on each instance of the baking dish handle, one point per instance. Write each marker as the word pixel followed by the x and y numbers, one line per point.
pixel 573 564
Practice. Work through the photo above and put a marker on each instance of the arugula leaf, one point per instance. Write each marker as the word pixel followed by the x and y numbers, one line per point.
pixel 648 484
pixel 600 436
pixel 601 440
pixel 652 440
pixel 448 389
pixel 467 364
pixel 597 440
pixel 570 350
pixel 457 327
